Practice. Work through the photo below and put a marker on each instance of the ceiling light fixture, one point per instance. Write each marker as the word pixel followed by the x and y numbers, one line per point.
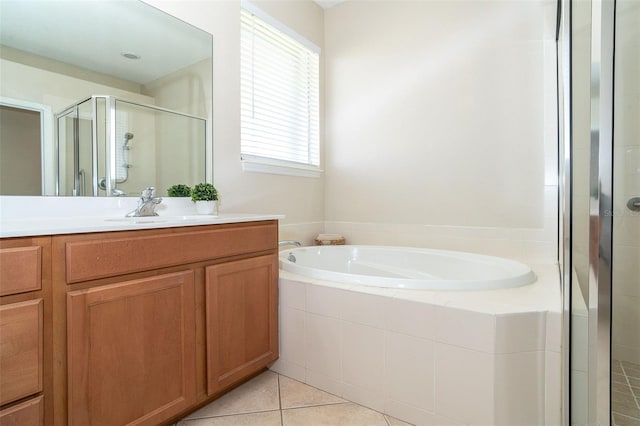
pixel 130 55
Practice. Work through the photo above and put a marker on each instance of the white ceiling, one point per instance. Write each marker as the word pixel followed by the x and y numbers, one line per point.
pixel 326 4
pixel 94 34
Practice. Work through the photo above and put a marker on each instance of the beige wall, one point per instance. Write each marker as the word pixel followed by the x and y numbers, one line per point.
pixel 440 125
pixel 50 88
pixel 20 156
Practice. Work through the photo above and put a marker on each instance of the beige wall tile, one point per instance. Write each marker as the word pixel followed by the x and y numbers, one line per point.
pixel 464 385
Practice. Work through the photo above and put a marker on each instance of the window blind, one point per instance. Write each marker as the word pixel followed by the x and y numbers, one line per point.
pixel 279 117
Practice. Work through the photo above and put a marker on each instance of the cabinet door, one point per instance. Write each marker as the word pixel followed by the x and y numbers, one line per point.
pixel 20 350
pixel 131 351
pixel 242 319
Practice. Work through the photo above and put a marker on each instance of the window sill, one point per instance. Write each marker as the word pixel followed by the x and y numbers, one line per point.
pixel 279 169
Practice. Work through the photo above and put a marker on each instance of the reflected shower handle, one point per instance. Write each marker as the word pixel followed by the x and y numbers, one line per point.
pixel 634 204
pixel 102 184
pixel 81 175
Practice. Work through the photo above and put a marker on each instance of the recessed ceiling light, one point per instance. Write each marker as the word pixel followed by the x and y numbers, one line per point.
pixel 130 55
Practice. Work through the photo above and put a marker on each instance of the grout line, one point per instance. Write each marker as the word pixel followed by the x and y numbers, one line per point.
pixel 280 402
pixel 626 377
pixel 227 415
pixel 633 393
pixel 324 404
pixel 625 415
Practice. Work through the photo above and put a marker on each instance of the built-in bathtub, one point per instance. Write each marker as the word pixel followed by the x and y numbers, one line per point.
pixel 406 267
pixel 425 356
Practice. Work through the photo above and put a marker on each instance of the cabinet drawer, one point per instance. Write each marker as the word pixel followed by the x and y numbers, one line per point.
pixel 105 257
pixel 28 413
pixel 20 270
pixel 20 350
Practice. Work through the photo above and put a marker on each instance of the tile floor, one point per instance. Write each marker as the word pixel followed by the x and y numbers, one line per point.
pixel 273 399
pixel 625 393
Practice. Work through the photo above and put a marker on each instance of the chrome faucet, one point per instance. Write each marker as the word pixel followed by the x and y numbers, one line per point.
pixel 291 257
pixel 289 243
pixel 146 204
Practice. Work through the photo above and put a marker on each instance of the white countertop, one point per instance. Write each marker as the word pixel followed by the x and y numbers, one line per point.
pixel 32 216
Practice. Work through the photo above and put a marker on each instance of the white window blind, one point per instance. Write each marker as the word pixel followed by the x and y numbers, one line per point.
pixel 279 115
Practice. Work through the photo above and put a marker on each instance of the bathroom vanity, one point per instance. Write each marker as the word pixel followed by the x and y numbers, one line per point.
pixel 134 326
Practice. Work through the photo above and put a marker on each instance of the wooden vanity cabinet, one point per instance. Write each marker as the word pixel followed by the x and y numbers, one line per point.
pixel 25 331
pixel 151 324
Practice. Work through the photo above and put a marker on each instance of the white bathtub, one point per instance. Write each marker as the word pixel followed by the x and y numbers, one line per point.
pixel 429 358
pixel 405 267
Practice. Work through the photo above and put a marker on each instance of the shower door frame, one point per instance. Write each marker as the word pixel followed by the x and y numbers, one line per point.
pixel 600 209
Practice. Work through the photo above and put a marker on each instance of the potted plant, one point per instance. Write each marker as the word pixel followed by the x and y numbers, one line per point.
pixel 179 190
pixel 205 196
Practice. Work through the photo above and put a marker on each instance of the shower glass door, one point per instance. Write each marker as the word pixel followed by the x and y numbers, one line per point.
pixel 76 151
pixel 581 395
pixel 625 336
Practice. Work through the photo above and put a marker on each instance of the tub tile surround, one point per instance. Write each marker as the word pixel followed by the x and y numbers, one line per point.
pixel 303 232
pixel 513 243
pixel 428 357
pixel 523 244
pixel 536 244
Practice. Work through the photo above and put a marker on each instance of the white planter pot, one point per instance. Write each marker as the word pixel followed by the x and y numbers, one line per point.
pixel 207 207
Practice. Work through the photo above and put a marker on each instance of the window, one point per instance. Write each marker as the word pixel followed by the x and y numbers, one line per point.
pixel 279 112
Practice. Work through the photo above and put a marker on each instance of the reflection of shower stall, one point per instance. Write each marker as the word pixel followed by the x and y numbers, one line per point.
pixel 111 147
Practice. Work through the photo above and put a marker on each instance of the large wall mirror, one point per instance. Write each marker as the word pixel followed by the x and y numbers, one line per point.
pixel 102 98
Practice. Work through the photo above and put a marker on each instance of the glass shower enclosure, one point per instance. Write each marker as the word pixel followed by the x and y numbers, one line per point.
pixel 600 42
pixel 114 147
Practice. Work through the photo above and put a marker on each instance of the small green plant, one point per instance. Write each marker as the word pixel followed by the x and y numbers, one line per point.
pixel 204 192
pixel 179 190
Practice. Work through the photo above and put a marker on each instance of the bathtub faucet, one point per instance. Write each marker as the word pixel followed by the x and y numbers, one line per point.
pixel 284 243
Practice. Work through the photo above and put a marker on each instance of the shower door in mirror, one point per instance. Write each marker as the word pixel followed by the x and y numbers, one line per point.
pixel 156 146
pixel 114 147
pixel 76 151
pixel 81 141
